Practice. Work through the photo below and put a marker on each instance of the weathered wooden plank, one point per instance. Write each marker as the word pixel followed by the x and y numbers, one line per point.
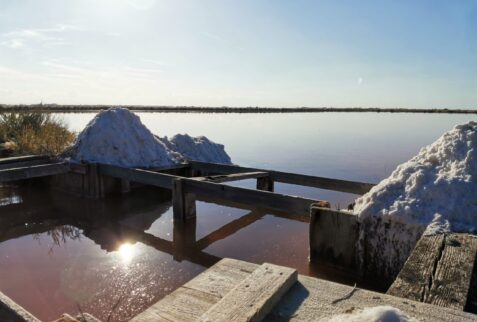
pixel 33 172
pixel 195 297
pixel 251 198
pixel 310 299
pixel 451 282
pixel 22 164
pixel 291 178
pixel 414 280
pixel 253 298
pixel 233 177
pixel 332 237
pixel 137 175
pixel 23 159
pixel 168 168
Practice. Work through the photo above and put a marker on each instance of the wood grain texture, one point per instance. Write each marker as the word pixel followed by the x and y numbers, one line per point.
pixel 310 299
pixel 415 278
pixel 452 278
pixel 194 298
pixel 333 235
pixel 253 298
pixel 439 271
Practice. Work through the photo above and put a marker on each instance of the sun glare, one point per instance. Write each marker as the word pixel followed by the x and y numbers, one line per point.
pixel 126 252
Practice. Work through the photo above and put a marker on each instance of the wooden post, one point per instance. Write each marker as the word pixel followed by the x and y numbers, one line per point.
pixel 333 236
pixel 183 202
pixel 125 186
pixel 265 183
pixel 184 238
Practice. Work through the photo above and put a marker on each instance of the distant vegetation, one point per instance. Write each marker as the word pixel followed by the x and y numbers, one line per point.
pixel 224 109
pixel 33 133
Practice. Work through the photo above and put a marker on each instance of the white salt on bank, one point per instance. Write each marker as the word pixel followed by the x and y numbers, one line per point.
pixel 435 190
pixel 384 313
pixel 118 137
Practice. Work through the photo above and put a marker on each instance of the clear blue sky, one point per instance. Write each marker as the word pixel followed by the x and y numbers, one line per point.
pixel 240 53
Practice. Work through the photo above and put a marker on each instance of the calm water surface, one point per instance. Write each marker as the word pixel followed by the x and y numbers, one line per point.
pixel 115 257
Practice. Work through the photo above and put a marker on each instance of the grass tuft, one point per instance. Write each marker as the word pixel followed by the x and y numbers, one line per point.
pixel 34 133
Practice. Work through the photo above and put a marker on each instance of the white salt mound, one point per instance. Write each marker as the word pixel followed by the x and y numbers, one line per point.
pixel 118 137
pixel 435 190
pixel 384 313
pixel 199 148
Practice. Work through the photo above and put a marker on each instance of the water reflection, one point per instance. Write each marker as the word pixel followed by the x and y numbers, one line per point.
pixel 126 252
pixel 118 256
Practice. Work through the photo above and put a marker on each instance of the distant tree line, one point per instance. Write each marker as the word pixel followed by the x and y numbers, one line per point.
pixel 223 109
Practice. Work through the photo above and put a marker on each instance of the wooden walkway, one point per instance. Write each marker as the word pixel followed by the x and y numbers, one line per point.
pixel 208 298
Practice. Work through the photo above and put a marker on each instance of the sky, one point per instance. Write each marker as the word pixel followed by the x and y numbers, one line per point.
pixel 274 53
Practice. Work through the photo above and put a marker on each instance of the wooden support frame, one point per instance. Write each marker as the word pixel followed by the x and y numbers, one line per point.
pixel 33 171
pixel 290 178
pixel 187 190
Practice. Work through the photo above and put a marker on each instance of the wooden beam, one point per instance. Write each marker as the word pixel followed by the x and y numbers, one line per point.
pixel 33 172
pixel 214 192
pixel 137 175
pixel 167 168
pixel 451 284
pixel 439 271
pixel 232 177
pixel 290 178
pixel 249 198
pixel 253 298
pixel 23 164
pixel 415 278
pixel 23 158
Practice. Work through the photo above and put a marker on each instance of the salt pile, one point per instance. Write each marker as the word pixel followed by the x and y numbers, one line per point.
pixel 118 137
pixel 434 192
pixel 199 148
pixel 383 313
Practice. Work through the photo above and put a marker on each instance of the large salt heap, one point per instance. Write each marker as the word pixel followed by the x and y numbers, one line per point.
pixel 434 192
pixel 118 137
